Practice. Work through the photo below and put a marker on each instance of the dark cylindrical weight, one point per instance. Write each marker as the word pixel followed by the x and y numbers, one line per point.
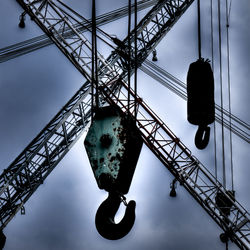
pixel 200 93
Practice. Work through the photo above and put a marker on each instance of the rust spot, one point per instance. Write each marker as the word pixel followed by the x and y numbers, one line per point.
pixel 95 164
pixel 118 157
pixel 112 158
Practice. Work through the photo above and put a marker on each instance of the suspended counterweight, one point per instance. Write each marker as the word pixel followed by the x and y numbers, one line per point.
pixel 200 100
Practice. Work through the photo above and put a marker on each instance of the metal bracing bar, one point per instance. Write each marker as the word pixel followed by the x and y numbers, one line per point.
pixel 197 179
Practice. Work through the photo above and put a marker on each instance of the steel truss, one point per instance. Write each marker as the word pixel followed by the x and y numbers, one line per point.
pixel 41 41
pixel 239 127
pixel 185 167
pixel 19 181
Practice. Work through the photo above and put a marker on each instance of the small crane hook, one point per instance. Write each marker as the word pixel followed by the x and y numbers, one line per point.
pixel 22 20
pixel 202 136
pixel 105 214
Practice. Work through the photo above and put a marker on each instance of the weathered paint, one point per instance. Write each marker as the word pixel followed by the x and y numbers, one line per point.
pixel 113 145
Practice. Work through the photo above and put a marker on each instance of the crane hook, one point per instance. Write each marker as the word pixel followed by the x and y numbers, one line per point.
pixel 105 214
pixel 202 136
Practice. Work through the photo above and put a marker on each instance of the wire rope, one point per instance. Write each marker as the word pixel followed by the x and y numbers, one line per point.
pixel 229 92
pixel 221 95
pixel 212 62
pixel 199 28
pixel 94 84
pixel 129 51
pixel 135 73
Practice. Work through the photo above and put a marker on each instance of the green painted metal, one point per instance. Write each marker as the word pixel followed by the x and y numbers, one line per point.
pixel 113 145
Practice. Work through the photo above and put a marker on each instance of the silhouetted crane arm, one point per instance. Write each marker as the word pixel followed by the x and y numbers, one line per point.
pixel 185 167
pixel 27 172
pixel 27 46
pixel 24 175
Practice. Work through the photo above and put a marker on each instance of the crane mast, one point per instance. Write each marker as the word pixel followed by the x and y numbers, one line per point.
pixel 28 171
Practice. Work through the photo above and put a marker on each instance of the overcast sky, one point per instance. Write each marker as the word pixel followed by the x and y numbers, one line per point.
pixel 61 213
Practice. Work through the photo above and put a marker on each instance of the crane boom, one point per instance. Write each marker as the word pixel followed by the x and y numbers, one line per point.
pixel 19 181
pixel 238 127
pixel 28 171
pixel 29 45
pixel 185 167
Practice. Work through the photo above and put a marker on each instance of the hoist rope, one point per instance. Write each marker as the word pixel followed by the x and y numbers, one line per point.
pixel 135 73
pixel 41 41
pixel 212 61
pixel 94 84
pixel 221 96
pixel 129 51
pixel 199 28
pixel 229 90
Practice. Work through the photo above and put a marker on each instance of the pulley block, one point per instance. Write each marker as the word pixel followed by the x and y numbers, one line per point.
pixel 200 99
pixel 113 144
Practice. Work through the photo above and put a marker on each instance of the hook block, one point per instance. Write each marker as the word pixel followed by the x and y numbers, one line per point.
pixel 113 144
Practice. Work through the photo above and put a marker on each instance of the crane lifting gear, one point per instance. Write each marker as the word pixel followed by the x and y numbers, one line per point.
pixel 200 100
pixel 43 154
pixel 48 148
pixel 105 214
pixel 22 20
pixel 2 240
pixel 154 58
pixel 113 144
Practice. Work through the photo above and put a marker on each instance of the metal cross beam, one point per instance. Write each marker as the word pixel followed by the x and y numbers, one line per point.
pixel 28 171
pixel 185 167
pixel 27 46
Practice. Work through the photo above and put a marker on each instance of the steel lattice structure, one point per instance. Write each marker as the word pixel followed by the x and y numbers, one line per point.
pixel 238 127
pixel 20 180
pixel 41 41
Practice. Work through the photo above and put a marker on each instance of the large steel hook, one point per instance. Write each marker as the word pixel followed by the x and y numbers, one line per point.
pixel 202 136
pixel 105 214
